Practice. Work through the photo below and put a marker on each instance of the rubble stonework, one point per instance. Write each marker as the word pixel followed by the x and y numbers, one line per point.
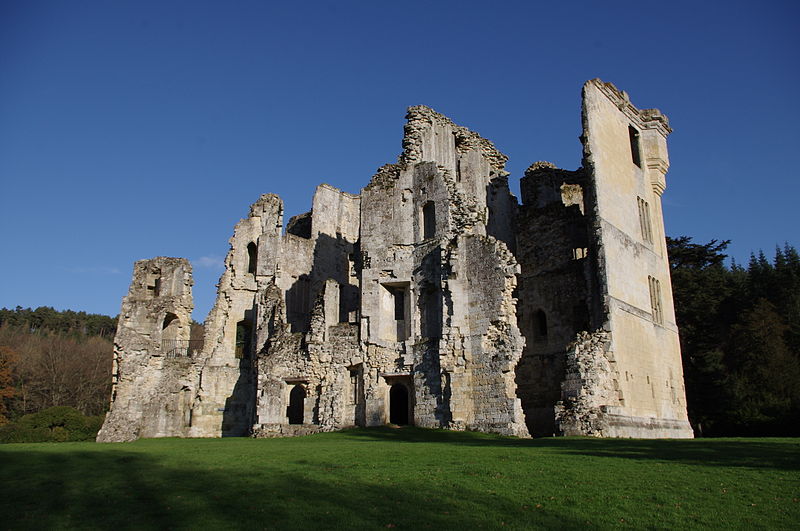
pixel 432 298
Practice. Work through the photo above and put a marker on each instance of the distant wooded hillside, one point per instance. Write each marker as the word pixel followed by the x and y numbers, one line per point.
pixel 45 318
pixel 50 358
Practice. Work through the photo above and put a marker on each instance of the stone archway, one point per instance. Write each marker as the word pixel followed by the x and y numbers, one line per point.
pixel 296 409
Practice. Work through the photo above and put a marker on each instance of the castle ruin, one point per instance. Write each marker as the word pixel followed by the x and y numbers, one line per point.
pixel 432 298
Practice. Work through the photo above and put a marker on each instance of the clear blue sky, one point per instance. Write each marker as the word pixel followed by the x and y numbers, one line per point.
pixel 135 129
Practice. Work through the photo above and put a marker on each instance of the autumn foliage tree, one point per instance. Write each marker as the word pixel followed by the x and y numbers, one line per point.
pixel 8 360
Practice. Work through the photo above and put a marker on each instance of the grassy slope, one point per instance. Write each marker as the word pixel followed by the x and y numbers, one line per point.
pixel 408 478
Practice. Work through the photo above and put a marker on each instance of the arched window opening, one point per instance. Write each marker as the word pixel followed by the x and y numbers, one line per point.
pixel 168 320
pixel 170 327
pixel 244 331
pixel 295 410
pixel 429 220
pixel 171 346
pixel 540 324
pixel 252 258
pixel 398 404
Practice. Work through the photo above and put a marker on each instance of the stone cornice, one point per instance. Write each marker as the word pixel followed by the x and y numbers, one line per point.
pixel 644 118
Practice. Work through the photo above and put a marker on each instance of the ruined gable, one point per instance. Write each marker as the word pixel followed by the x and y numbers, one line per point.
pixel 431 298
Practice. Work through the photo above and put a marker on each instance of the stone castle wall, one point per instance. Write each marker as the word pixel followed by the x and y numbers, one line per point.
pixel 431 298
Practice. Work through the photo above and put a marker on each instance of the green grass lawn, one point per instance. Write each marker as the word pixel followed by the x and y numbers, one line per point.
pixel 404 478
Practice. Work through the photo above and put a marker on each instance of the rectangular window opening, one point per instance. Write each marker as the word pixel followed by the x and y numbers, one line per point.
pixel 633 134
pixel 399 310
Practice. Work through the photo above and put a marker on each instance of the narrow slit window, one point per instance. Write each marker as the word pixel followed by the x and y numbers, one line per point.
pixel 252 258
pixel 633 133
pixel 355 385
pixel 399 304
pixel 655 300
pixel 644 220
pixel 429 220
pixel 540 324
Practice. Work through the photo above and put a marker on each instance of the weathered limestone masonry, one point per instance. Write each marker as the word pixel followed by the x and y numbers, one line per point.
pixel 432 298
pixel 151 382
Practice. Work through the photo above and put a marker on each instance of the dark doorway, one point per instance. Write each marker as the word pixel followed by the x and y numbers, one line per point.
pixel 398 404
pixel 297 398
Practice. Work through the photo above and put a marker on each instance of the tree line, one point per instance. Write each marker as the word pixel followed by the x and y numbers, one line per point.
pixel 740 338
pixel 67 322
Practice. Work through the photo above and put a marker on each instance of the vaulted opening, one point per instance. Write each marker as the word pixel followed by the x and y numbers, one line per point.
pixel 170 320
pixel 170 332
pixel 170 327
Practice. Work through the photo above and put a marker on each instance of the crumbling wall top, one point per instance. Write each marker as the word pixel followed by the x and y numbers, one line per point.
pixel 539 164
pixel 419 117
pixel 266 203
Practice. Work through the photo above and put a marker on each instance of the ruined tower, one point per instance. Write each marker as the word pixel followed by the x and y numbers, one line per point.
pixel 431 298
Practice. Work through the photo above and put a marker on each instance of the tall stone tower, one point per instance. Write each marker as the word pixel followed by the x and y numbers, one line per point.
pixel 625 151
pixel 595 277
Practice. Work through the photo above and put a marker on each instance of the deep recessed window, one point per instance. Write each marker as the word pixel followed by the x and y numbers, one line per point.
pixel 633 133
pixel 399 305
pixel 244 332
pixel 154 283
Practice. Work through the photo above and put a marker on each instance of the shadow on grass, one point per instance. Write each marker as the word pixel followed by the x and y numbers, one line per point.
pixel 116 488
pixel 781 454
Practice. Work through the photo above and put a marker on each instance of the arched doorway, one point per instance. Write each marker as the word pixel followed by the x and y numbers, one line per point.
pixel 297 398
pixel 398 404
